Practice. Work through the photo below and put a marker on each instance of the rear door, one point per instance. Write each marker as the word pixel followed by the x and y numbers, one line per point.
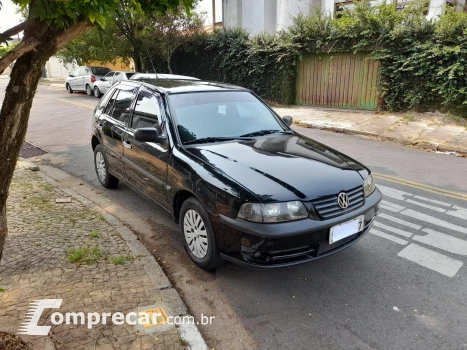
pixel 146 162
pixel 80 80
pixel 107 84
pixel 113 123
pixel 72 81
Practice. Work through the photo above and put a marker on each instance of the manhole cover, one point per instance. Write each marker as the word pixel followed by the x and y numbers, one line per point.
pixel 28 150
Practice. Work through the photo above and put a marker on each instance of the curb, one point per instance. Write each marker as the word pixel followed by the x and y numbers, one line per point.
pixel 435 147
pixel 189 332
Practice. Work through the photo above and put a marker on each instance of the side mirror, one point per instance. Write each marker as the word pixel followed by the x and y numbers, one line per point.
pixel 288 120
pixel 149 135
pixel 102 79
pixel 71 76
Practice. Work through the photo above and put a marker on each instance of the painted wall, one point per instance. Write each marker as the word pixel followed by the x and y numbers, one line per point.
pixel 56 69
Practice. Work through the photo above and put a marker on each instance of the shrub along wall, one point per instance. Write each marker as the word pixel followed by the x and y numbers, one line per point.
pixel 423 62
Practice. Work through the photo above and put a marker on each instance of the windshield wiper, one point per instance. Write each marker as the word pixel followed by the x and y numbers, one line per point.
pixel 213 139
pixel 264 132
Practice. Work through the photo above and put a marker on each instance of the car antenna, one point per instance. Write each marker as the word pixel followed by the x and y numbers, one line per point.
pixel 152 64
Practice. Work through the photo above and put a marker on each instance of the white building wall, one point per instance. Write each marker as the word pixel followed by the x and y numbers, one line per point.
pixel 436 8
pixel 232 13
pixel 56 69
pixel 287 10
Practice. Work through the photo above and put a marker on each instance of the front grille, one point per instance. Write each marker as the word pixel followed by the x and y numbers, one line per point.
pixel 327 207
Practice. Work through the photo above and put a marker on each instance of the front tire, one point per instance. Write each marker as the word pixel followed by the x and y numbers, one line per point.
pixel 68 87
pixel 89 90
pixel 97 92
pixel 102 169
pixel 200 242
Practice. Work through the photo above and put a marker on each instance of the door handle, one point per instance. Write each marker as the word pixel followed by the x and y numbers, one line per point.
pixel 127 144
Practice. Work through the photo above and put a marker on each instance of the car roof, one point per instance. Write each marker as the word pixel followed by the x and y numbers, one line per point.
pixel 183 86
pixel 139 76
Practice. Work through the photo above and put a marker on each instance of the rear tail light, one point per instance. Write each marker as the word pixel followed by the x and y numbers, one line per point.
pixel 93 78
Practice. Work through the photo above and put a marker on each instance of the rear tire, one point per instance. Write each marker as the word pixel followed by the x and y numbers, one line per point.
pixel 102 169
pixel 89 90
pixel 198 236
pixel 68 87
pixel 97 92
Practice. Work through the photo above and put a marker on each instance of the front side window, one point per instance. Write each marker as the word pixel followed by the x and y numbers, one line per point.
pixel 109 76
pixel 121 108
pixel 117 76
pixel 147 112
pixel 221 114
pixel 84 71
pixel 104 101
pixel 75 73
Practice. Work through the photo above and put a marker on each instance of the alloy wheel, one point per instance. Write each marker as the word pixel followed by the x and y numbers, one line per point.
pixel 88 90
pixel 195 234
pixel 100 166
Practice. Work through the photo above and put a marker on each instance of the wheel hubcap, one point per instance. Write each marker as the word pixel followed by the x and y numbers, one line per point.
pixel 96 92
pixel 100 166
pixel 195 234
pixel 89 90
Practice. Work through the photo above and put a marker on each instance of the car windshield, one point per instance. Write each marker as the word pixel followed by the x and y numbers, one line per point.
pixel 100 70
pixel 227 114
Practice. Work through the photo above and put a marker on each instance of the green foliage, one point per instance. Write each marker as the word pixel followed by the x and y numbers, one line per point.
pixel 265 64
pixel 85 255
pixel 5 49
pixel 64 13
pixel 96 45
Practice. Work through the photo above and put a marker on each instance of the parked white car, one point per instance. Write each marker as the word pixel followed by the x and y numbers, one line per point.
pixel 105 83
pixel 83 78
pixel 139 76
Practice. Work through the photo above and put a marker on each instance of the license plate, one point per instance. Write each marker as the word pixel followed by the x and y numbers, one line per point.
pixel 346 229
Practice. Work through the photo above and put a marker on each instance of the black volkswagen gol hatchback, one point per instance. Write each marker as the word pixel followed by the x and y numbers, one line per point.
pixel 241 183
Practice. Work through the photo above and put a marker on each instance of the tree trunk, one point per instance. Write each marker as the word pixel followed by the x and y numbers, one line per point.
pixel 17 103
pixel 138 64
pixel 168 64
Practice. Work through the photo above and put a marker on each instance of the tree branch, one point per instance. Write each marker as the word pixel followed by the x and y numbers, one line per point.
pixel 7 34
pixel 29 44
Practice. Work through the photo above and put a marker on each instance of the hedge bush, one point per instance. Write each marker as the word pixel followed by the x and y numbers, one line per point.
pixel 423 62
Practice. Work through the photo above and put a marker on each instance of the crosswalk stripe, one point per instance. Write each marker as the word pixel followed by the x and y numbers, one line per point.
pixel 392 205
pixel 393 229
pixel 433 201
pixel 431 260
pixel 432 220
pixel 388 237
pixel 399 221
pixel 441 210
pixel 443 241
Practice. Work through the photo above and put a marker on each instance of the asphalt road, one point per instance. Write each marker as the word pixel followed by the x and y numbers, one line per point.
pixel 403 286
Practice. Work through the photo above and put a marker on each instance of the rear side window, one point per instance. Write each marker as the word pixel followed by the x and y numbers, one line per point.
pixel 129 75
pixel 121 108
pixel 100 70
pixel 84 71
pixel 147 112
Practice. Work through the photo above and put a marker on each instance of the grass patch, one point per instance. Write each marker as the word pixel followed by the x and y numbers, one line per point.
pixel 94 234
pixel 121 259
pixel 407 118
pixel 183 341
pixel 85 255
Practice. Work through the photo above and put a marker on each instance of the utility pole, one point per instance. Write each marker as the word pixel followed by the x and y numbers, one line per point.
pixel 213 14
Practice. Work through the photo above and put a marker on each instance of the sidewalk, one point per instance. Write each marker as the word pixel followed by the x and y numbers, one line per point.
pixel 61 246
pixel 432 131
pixel 55 82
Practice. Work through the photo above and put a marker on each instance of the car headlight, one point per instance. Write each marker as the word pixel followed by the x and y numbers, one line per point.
pixel 273 212
pixel 369 185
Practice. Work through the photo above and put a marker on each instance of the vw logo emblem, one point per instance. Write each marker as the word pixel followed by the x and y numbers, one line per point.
pixel 343 200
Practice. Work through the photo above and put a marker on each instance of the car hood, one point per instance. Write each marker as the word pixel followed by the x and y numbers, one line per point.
pixel 283 167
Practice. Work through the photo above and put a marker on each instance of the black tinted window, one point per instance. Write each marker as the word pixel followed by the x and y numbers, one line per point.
pixel 121 108
pixel 129 75
pixel 104 100
pixel 109 107
pixel 147 112
pixel 100 70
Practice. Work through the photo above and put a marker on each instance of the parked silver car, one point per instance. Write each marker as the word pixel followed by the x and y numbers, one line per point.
pixel 161 76
pixel 83 78
pixel 101 86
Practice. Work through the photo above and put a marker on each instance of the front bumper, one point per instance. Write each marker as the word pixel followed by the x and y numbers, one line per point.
pixel 290 243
